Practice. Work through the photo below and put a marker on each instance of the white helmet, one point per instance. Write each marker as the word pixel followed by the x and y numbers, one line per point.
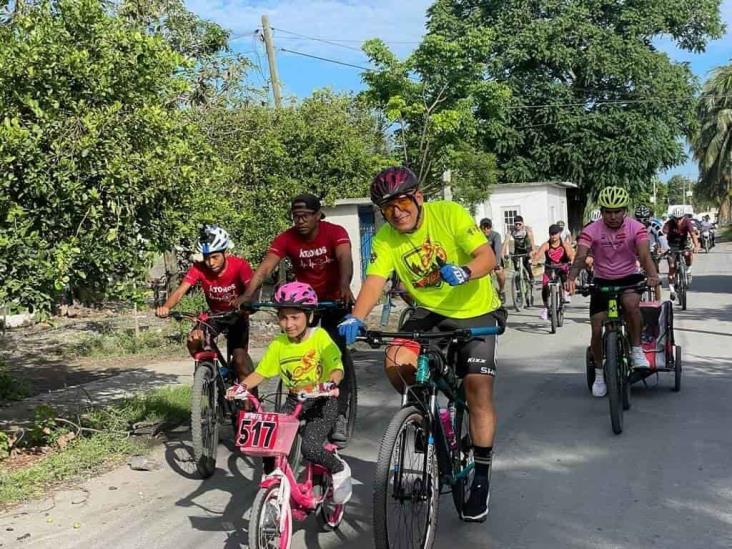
pixel 656 224
pixel 212 239
pixel 595 215
pixel 676 213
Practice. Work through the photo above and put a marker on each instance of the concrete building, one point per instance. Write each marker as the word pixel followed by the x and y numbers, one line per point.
pixel 540 203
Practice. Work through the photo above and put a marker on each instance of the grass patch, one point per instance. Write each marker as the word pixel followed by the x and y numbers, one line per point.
pixel 121 343
pixel 11 387
pixel 91 452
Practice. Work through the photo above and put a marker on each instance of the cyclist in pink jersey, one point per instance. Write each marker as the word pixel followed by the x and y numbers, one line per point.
pixel 557 252
pixel 617 242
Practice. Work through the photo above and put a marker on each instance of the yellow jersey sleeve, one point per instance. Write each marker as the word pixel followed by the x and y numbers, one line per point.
pixel 467 234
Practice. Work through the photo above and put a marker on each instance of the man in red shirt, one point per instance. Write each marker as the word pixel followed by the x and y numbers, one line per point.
pixel 681 238
pixel 223 278
pixel 320 253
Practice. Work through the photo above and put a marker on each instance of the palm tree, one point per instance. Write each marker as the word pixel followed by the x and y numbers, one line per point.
pixel 712 142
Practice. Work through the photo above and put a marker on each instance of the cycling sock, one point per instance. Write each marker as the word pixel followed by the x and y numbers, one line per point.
pixel 483 460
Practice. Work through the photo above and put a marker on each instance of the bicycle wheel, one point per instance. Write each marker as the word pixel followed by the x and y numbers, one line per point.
pixel 463 460
pixel 352 407
pixel 624 376
pixel 560 313
pixel 331 514
pixel 528 289
pixel 682 297
pixel 205 418
pixel 406 485
pixel 589 369
pixel 553 308
pixel 516 292
pixel 614 387
pixel 677 369
pixel 265 521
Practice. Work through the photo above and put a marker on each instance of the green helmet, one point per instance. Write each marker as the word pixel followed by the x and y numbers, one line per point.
pixel 613 197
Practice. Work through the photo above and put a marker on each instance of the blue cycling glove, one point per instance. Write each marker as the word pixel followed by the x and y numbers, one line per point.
pixel 454 275
pixel 350 328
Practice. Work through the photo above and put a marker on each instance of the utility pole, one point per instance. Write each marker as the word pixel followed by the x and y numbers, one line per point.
pixel 273 76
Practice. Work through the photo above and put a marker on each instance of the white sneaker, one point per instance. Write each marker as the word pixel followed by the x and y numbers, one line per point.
pixel 544 314
pixel 599 389
pixel 567 297
pixel 638 358
pixel 342 486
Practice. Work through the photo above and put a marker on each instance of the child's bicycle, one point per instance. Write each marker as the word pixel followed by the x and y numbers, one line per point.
pixel 212 375
pixel 281 496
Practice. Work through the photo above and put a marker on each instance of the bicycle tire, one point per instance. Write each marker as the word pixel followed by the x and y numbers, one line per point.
pixel 560 314
pixel 677 369
pixel 205 418
pixel 382 482
pixel 682 297
pixel 612 375
pixel 528 287
pixel 516 293
pixel 624 376
pixel 352 409
pixel 553 308
pixel 262 504
pixel 589 369
pixel 464 459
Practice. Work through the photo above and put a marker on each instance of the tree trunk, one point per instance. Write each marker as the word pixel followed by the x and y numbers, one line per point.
pixel 576 204
pixel 725 211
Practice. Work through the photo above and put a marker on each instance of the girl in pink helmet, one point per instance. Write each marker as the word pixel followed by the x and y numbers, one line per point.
pixel 305 358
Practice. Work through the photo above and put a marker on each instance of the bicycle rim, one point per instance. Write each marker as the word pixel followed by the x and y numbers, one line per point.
pixel 204 418
pixel 612 374
pixel 553 312
pixel 265 520
pixel 516 295
pixel 463 460
pixel 406 485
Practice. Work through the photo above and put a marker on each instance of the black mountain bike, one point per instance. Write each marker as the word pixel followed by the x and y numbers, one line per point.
pixel 421 452
pixel 211 376
pixel 616 351
pixel 522 288
pixel 682 276
pixel 556 296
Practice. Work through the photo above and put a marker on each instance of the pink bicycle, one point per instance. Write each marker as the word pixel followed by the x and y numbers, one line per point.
pixel 281 497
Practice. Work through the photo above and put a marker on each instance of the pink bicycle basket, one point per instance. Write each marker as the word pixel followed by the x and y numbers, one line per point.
pixel 265 434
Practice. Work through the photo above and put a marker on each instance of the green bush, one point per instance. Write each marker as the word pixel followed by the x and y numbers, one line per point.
pixel 11 387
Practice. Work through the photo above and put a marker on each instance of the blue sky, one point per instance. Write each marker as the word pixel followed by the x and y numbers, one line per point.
pixel 348 23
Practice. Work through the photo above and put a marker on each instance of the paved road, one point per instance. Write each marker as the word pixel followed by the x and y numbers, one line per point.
pixel 561 478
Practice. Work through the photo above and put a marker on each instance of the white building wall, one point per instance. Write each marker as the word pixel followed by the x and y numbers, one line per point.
pixel 346 215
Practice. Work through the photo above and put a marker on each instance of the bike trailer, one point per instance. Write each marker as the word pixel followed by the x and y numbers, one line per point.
pixel 657 335
pixel 265 434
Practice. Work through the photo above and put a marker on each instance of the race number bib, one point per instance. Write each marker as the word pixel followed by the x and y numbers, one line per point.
pixel 258 431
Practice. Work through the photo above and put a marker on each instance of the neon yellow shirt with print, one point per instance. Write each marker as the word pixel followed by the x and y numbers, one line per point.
pixel 447 232
pixel 308 362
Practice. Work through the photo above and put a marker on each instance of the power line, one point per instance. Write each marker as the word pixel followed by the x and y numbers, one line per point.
pixel 313 38
pixel 326 59
pixel 339 41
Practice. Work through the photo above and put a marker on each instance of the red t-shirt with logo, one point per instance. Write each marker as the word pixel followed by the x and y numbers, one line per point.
pixel 222 288
pixel 314 261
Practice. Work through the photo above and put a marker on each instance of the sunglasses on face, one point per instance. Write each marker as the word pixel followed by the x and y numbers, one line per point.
pixel 401 202
pixel 302 216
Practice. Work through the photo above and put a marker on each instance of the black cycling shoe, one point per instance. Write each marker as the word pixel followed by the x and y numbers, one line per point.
pixel 476 508
pixel 339 435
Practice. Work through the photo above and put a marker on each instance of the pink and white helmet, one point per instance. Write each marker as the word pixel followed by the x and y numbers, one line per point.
pixel 296 294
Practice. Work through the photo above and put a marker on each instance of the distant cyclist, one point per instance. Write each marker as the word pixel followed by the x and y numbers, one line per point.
pixel 557 253
pixel 657 240
pixel 707 225
pixel 565 235
pixel 223 278
pixel 618 243
pixel 494 239
pixel 681 238
pixel 522 238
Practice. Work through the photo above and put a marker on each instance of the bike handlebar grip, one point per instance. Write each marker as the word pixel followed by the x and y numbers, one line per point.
pixel 487 331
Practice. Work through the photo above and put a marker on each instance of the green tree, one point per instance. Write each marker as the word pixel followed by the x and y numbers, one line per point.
pixel 94 153
pixel 431 99
pixel 712 140
pixel 593 101
pixel 328 144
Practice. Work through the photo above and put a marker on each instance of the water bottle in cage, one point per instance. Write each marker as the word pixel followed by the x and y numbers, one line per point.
pixel 447 418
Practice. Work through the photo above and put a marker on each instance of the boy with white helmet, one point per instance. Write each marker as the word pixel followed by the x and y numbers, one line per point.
pixel 223 278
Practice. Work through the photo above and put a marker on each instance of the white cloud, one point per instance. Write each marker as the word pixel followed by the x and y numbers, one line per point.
pixel 390 20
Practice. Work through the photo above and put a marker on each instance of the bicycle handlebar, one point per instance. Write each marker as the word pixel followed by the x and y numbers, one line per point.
pixel 377 338
pixel 589 288
pixel 178 315
pixel 321 306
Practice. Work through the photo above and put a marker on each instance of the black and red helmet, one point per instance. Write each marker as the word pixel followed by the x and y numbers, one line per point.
pixel 392 182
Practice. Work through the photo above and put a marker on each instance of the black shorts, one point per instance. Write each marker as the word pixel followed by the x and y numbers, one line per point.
pixel 476 356
pixel 236 331
pixel 599 303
